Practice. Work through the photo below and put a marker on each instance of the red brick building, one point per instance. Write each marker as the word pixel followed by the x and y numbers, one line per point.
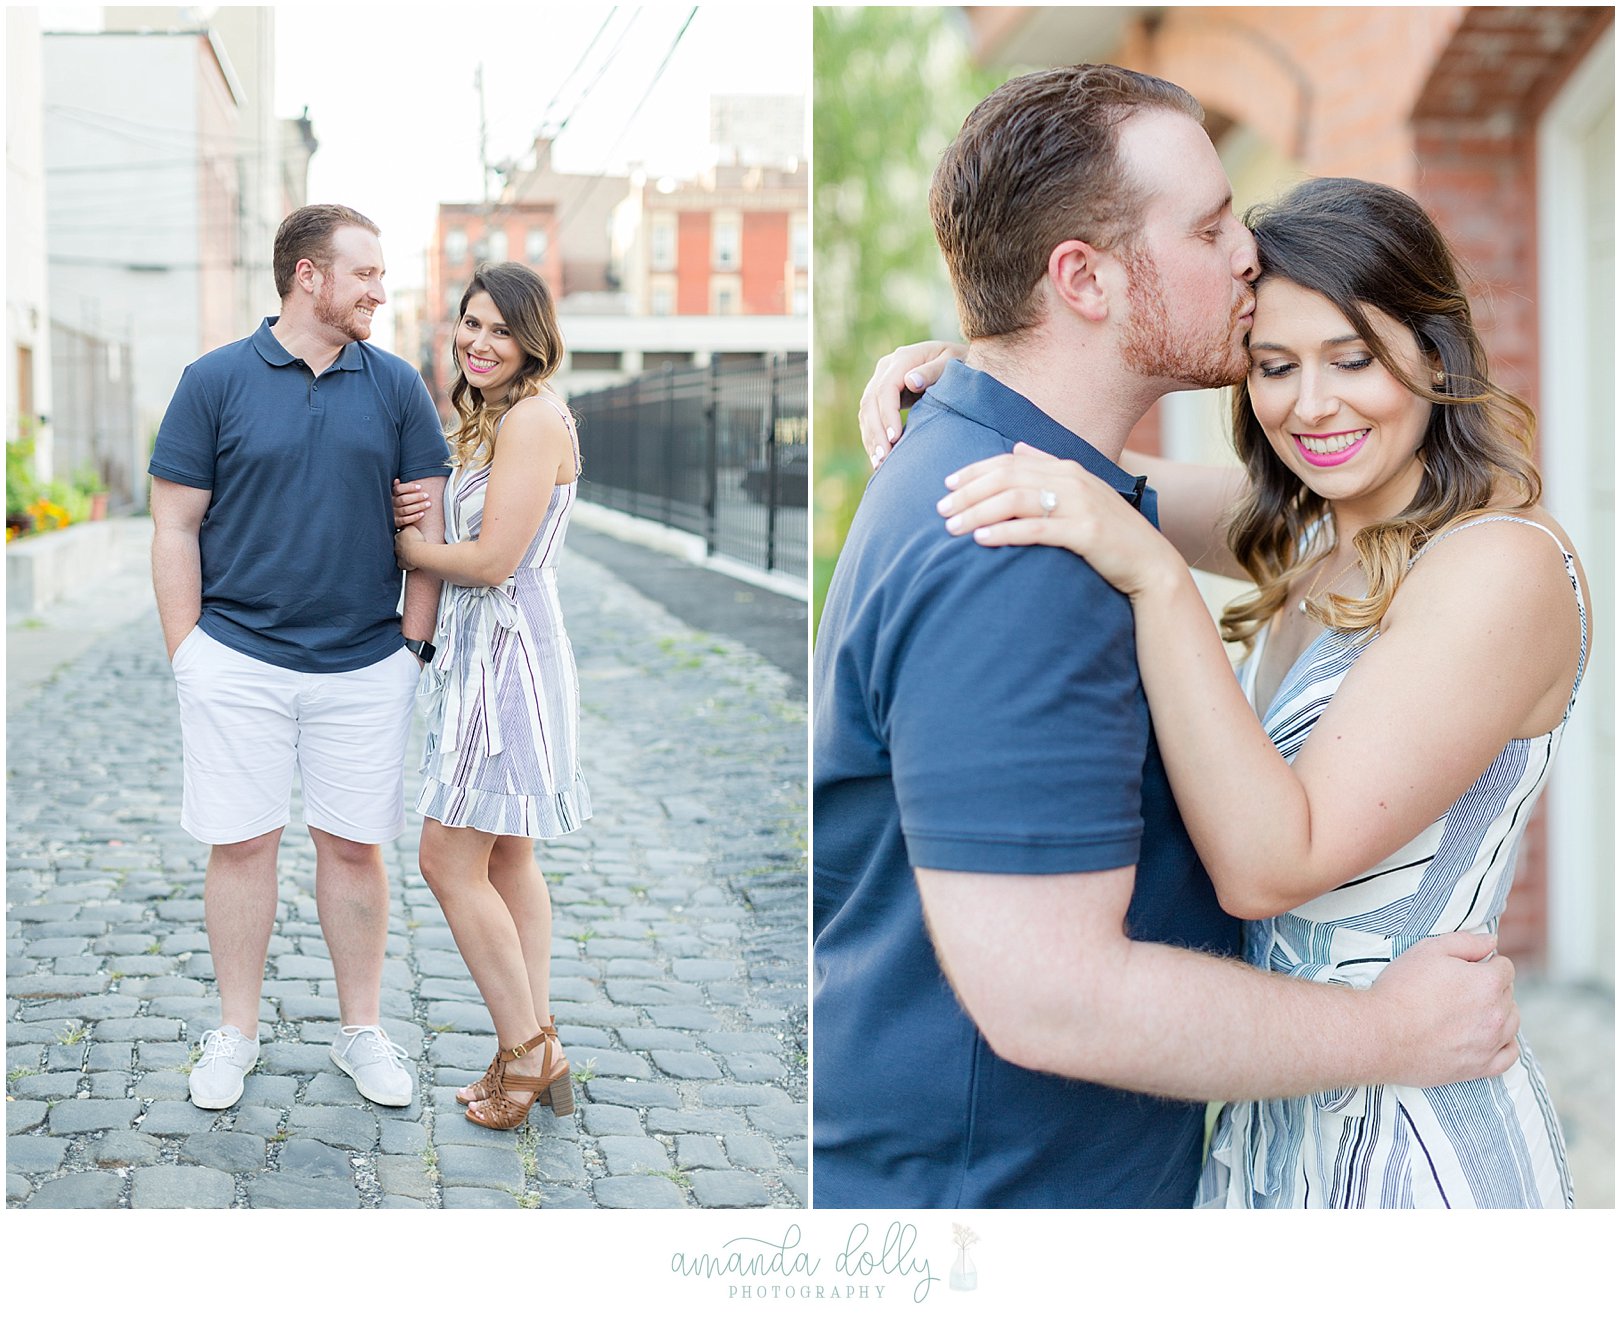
pixel 465 235
pixel 1501 122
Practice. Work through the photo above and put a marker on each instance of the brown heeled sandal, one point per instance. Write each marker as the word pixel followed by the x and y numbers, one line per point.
pixel 484 1087
pixel 506 1109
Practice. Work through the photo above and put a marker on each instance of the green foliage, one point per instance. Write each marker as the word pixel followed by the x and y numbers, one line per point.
pixel 22 489
pixel 893 86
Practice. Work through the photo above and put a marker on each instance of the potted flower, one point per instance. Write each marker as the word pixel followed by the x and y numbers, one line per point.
pixel 21 487
pixel 88 482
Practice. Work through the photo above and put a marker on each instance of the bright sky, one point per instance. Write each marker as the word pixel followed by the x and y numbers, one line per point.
pixel 392 100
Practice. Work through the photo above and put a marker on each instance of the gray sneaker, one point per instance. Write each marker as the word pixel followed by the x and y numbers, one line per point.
pixel 373 1060
pixel 217 1077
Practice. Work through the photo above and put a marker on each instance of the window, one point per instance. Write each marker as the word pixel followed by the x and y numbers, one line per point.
pixel 661 296
pixel 594 361
pixel 456 247
pixel 495 245
pixel 725 295
pixel 534 246
pixel 799 241
pixel 662 241
pixel 726 240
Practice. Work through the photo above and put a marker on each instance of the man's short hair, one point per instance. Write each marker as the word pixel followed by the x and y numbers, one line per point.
pixel 1037 162
pixel 307 232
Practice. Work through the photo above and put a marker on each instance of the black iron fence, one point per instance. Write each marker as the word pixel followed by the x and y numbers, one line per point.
pixel 720 451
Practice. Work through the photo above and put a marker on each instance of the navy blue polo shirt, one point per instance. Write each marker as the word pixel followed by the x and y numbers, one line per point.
pixel 298 542
pixel 979 709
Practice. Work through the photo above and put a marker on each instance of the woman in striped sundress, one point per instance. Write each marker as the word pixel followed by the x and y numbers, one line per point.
pixel 501 766
pixel 1416 636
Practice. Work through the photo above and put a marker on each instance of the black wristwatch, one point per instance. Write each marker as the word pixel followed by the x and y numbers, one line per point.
pixel 423 650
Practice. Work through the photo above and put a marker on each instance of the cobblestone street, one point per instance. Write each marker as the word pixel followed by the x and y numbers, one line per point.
pixel 679 949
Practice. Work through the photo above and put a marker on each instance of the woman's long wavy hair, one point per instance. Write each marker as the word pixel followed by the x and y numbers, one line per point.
pixel 1363 245
pixel 525 304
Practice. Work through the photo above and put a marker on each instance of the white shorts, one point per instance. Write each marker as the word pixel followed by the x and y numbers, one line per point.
pixel 244 724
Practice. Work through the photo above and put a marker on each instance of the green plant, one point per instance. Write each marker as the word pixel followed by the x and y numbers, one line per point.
pixel 17 1073
pixel 73 1034
pixel 22 487
pixel 586 1073
pixel 528 1200
pixel 88 480
pixel 153 948
pixel 430 1161
pixel 527 1142
pixel 681 1179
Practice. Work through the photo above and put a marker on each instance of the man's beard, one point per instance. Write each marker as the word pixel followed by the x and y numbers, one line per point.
pixel 1153 346
pixel 346 319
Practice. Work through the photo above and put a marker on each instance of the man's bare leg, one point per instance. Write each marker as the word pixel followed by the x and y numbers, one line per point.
pixel 239 912
pixel 351 895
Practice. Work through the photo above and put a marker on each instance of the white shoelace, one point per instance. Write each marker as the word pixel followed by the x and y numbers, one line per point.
pixel 217 1047
pixel 386 1050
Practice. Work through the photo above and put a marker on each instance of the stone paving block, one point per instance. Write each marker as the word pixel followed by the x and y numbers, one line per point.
pixel 21 1114
pixel 452 1128
pixel 294 1059
pixel 633 968
pixel 669 1121
pixel 161 1029
pixel 18 1188
pixel 30 1032
pixel 699 1152
pixel 108 1085
pixel 584 1037
pixel 788 1120
pixel 455 991
pixel 686 1066
pixel 636 1094
pixel 732 995
pixel 739 1096
pixel 756 1067
pixel 746 1149
pixel 275 1091
pixel 99 1008
pixel 653 1037
pixel 402 1202
pixel 565 1197
pixel 797 1152
pixel 468 1165
pixel 170 1187
pixel 265 1122
pixel 405 1174
pixel 307 1007
pixel 294 967
pixel 440 964
pixel 571 991
pixel 72 1116
pixel 165 987
pixel 164 1085
pixel 477 1197
pixel 157 1055
pixel 797 1185
pixel 280 1190
pixel 173 1118
pixel 651 993
pixel 558 1161
pixel 229 1151
pixel 348 1128
pixel 79 1190
pixel 59 948
pixel 399 1137
pixel 641 1192
pixel 611 1062
pixel 35 1154
pixel 682 1017
pixel 704 969
pixel 469 1052
pixel 601 1014
pixel 741 1041
pixel 471 1018
pixel 605 1120
pixel 719 1189
pixel 628 1154
pixel 313 1158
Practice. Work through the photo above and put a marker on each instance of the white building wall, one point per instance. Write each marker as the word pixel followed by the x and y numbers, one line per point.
pixel 27 304
pixel 121 134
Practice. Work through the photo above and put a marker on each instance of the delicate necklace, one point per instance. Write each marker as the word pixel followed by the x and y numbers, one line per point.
pixel 1312 589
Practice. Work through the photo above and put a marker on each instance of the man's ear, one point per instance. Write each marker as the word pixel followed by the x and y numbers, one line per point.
pixel 1074 270
pixel 304 274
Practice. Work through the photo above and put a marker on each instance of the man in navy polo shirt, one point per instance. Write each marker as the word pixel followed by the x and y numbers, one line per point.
pixel 1013 932
pixel 273 565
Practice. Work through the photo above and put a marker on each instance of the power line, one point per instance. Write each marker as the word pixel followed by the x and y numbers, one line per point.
pixel 578 65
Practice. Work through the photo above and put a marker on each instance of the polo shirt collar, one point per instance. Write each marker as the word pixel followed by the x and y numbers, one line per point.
pixel 984 399
pixel 272 350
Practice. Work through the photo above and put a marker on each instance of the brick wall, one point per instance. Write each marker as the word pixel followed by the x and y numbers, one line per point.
pixel 765 263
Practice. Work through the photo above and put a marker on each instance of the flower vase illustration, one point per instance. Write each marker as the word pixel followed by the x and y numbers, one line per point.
pixel 964 1276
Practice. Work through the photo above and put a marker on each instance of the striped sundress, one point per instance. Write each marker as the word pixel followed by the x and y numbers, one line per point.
pixel 501 697
pixel 1488 1143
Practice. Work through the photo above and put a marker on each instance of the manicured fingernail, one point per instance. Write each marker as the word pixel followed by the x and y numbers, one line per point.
pixel 951 481
pixel 954 525
pixel 914 380
pixel 944 506
pixel 889 434
pixel 874 459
